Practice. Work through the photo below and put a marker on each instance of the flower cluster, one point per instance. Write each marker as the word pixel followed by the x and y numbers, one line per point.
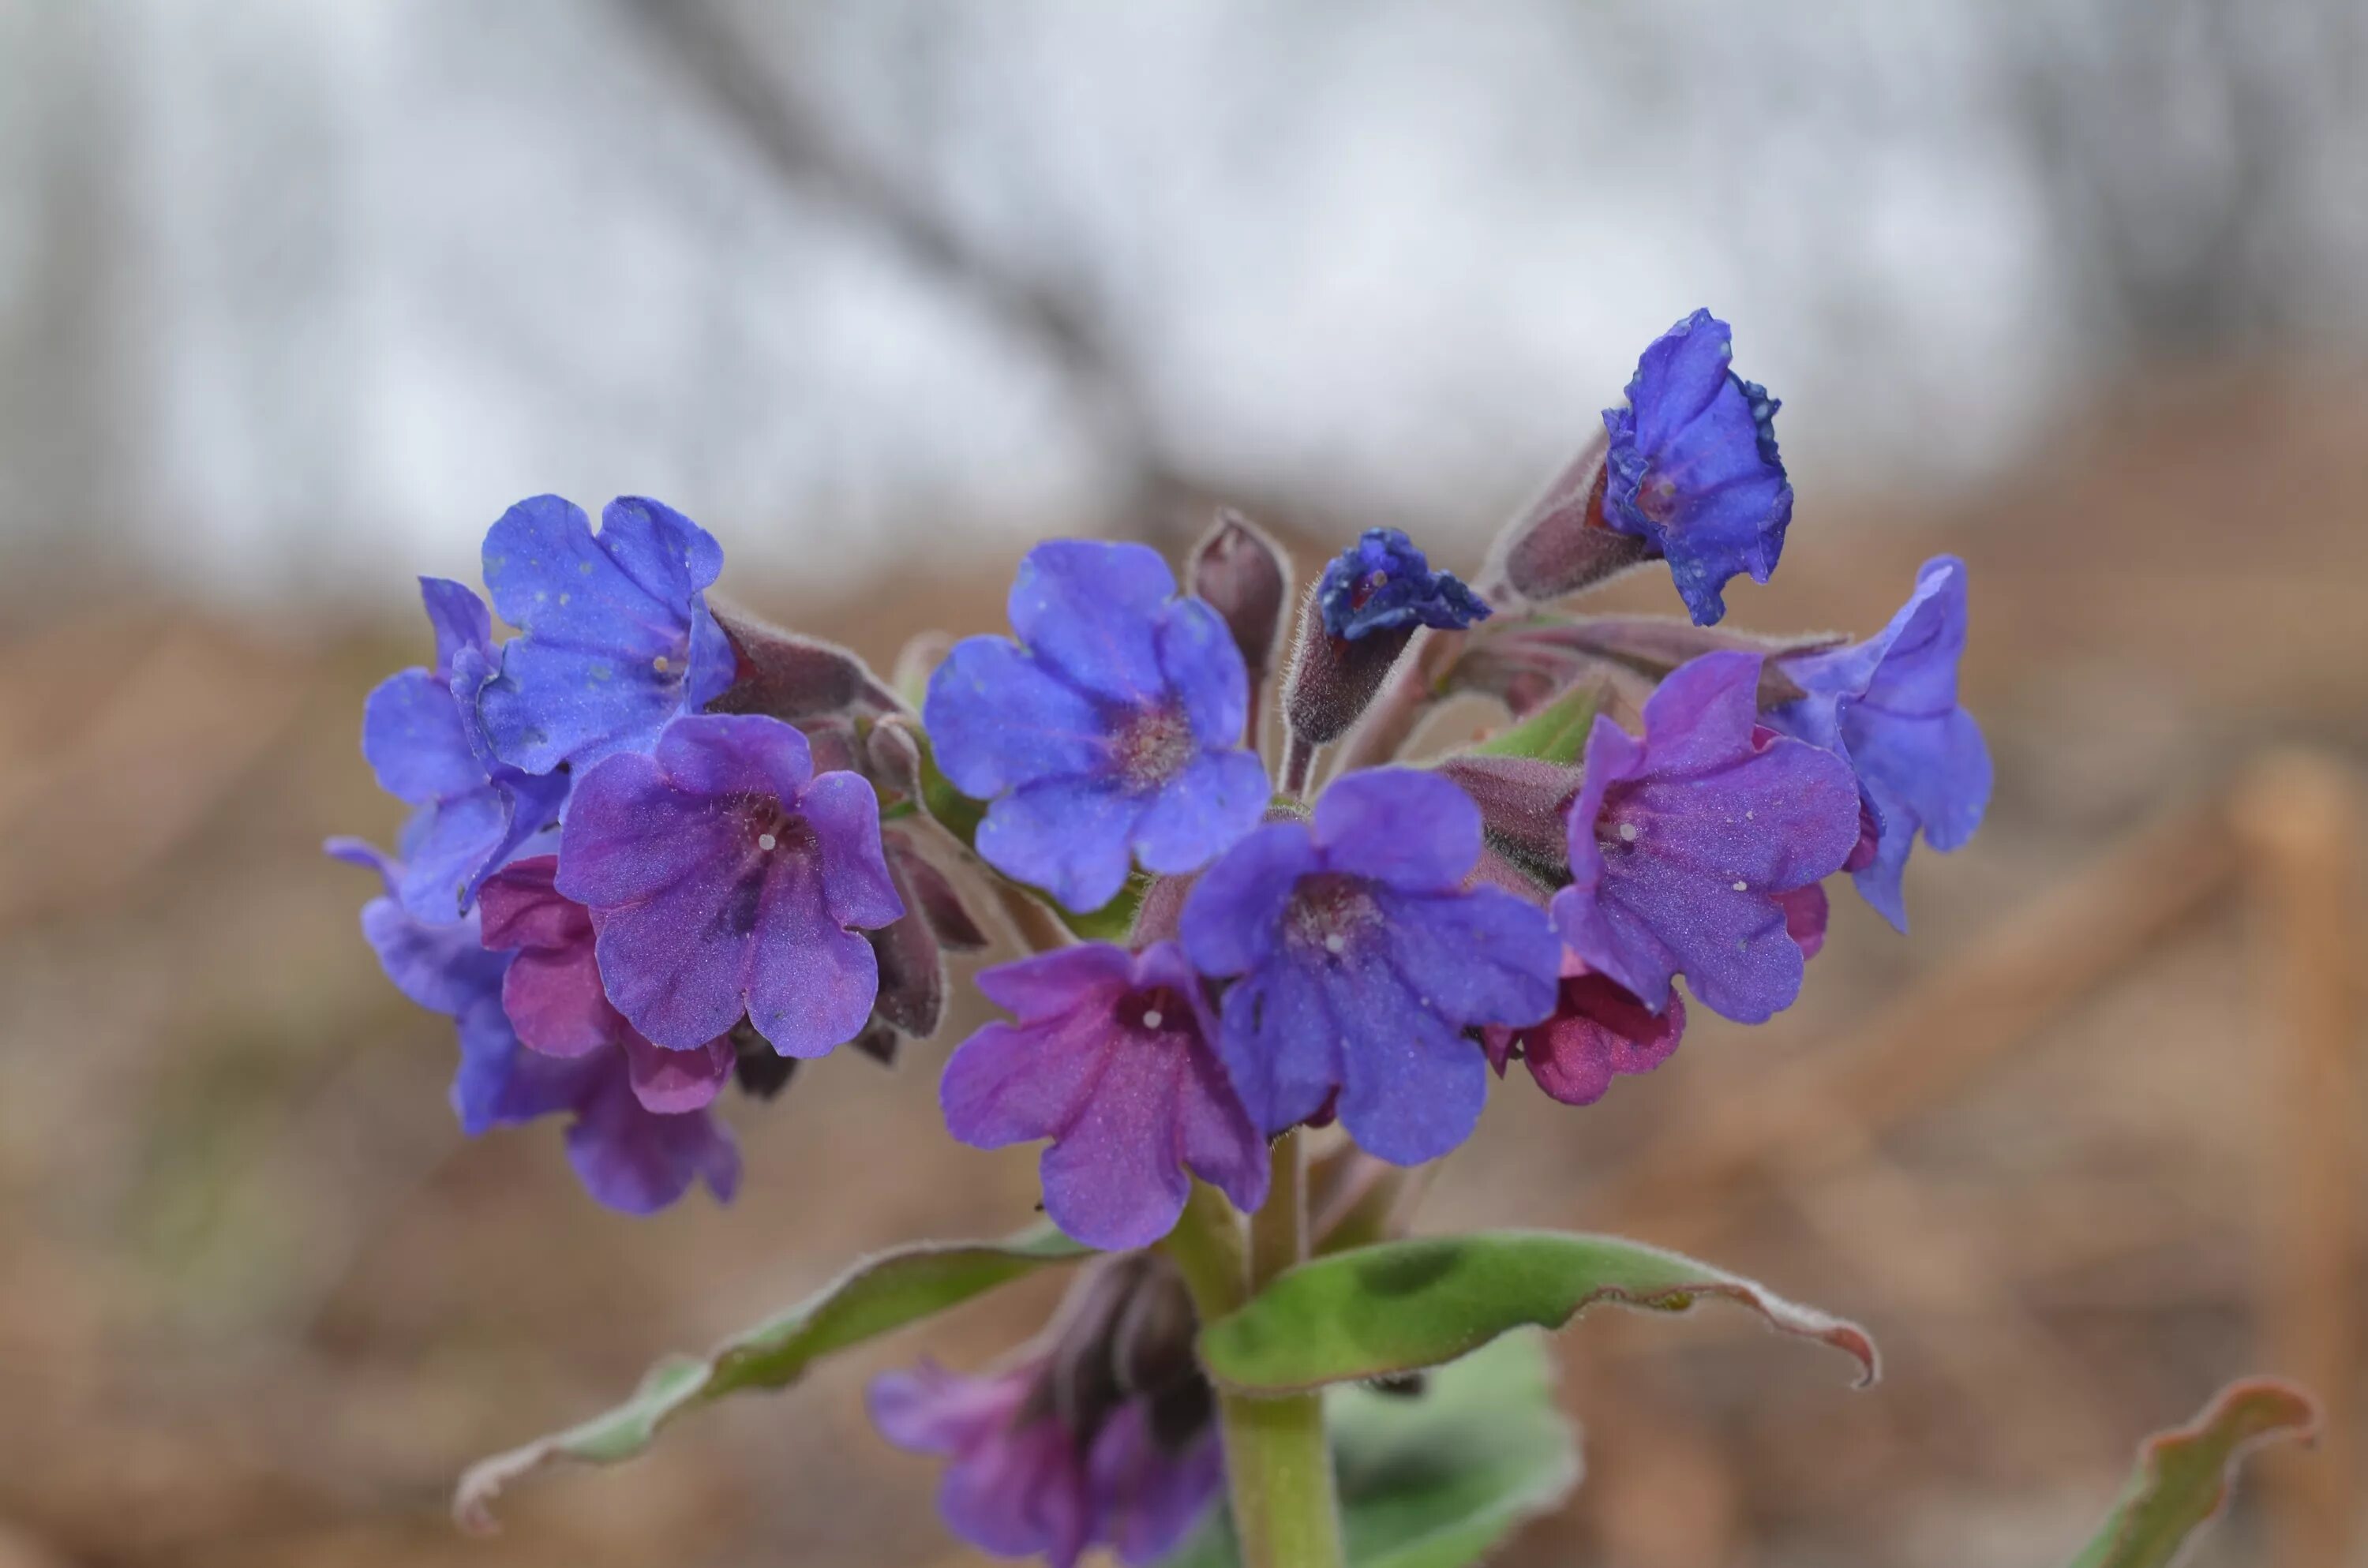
pixel 657 846
pixel 621 900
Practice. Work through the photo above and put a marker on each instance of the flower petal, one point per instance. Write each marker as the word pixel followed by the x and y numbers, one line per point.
pixel 1403 827
pixel 1203 667
pixel 1000 717
pixel 810 981
pixel 1066 835
pixel 1202 813
pixel 1231 916
pixel 1093 610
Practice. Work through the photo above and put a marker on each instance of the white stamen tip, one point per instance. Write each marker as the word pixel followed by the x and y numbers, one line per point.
pixel 1742 887
pixel 1151 1019
pixel 1628 831
pixel 659 663
pixel 1336 943
pixel 766 841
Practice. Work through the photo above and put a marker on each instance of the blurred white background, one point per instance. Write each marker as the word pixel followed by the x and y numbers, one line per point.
pixel 302 292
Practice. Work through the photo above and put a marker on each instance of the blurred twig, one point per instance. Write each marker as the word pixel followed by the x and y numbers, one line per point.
pixel 806 152
pixel 2298 815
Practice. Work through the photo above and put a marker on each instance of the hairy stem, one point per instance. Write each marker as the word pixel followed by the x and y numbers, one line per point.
pixel 1298 765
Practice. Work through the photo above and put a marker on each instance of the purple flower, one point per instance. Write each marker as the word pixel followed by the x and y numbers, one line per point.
pixel 1599 1031
pixel 553 995
pixel 1113 726
pixel 628 1156
pixel 724 877
pixel 1112 1059
pixel 618 637
pixel 1683 844
pixel 418 735
pixel 1362 959
pixel 1022 1485
pixel 1692 465
pixel 1384 582
pixel 1888 706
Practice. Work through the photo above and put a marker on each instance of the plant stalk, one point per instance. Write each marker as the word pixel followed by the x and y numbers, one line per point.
pixel 1277 1460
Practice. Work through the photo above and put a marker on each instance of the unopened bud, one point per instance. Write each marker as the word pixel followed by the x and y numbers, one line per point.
pixel 1246 577
pixel 1523 802
pixel 928 887
pixel 1562 543
pixel 788 675
pixel 1364 610
pixel 912 994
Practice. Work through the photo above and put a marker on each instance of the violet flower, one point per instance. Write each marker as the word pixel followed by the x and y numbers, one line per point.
pixel 554 998
pixel 1111 1058
pixel 1361 959
pixel 473 812
pixel 1683 844
pixel 725 876
pixel 1113 726
pixel 617 636
pixel 628 1157
pixel 1692 465
pixel 1020 1483
pixel 1888 706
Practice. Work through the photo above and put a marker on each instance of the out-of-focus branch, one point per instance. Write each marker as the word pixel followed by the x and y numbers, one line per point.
pixel 806 152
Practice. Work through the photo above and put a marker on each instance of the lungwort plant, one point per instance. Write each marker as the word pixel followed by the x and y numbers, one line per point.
pixel 658 848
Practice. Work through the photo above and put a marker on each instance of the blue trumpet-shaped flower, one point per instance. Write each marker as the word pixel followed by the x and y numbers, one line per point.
pixel 1692 465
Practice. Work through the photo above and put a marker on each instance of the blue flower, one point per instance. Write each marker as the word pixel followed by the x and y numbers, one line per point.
pixel 1692 465
pixel 1888 707
pixel 1382 581
pixel 419 735
pixel 1113 726
pixel 618 638
pixel 1361 961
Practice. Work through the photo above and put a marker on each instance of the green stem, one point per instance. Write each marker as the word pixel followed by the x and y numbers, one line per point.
pixel 1278 1462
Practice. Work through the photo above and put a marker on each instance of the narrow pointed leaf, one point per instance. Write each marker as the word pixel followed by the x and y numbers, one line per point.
pixel 1557 732
pixel 878 1295
pixel 2184 1475
pixel 1437 1480
pixel 1401 1306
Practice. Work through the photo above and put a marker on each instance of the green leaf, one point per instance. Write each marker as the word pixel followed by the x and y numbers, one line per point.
pixel 1435 1480
pixel 955 811
pixel 1557 732
pixel 1401 1306
pixel 880 1294
pixel 1114 921
pixel 2184 1475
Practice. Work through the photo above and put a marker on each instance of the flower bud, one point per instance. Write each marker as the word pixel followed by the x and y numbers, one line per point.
pixel 1522 801
pixel 1246 576
pixel 932 891
pixel 788 675
pixel 761 1072
pixel 1561 544
pixel 1365 609
pixel 912 997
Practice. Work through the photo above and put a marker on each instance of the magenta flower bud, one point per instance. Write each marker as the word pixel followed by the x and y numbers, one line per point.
pixel 1246 577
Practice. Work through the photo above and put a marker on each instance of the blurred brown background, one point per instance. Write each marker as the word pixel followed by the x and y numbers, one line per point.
pixel 294 299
